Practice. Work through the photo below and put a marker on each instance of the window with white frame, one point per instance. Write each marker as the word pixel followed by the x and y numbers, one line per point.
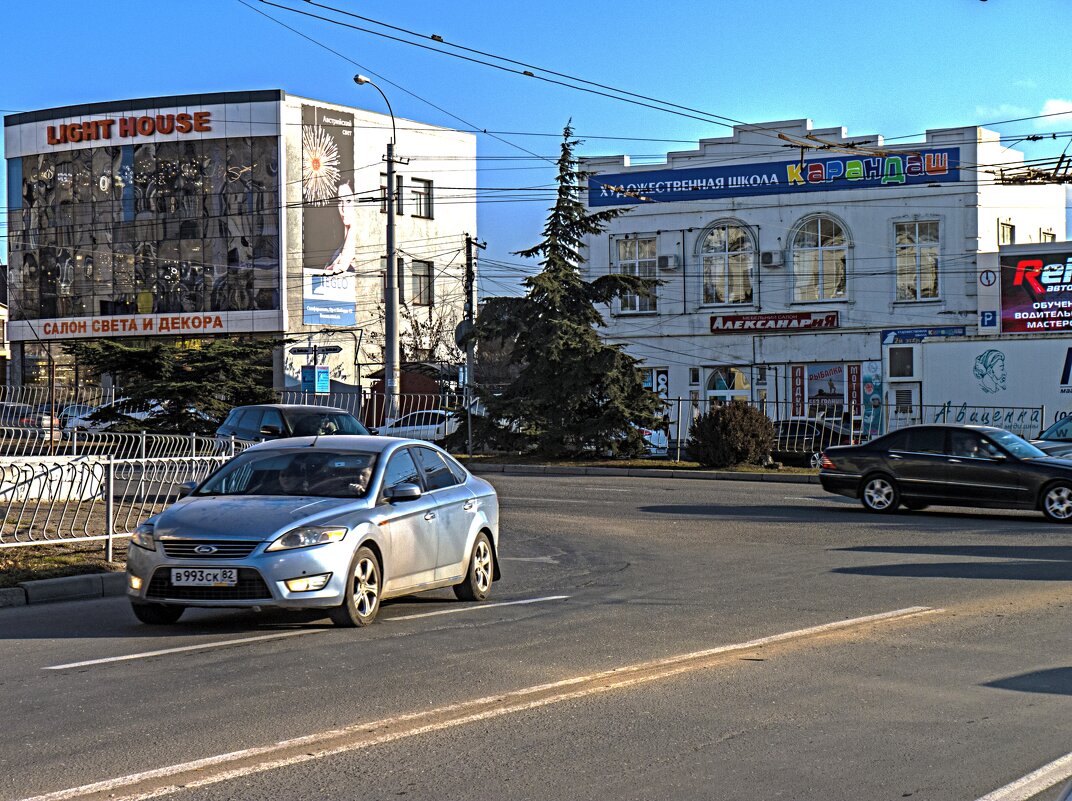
pixel 1006 233
pixel 421 194
pixel 917 246
pixel 637 257
pixel 423 283
pixel 1046 235
pixel 728 256
pixel 820 250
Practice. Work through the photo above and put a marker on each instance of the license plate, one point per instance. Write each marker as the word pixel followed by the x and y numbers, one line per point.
pixel 202 577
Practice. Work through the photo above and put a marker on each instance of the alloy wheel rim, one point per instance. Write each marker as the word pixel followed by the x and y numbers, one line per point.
pixel 482 566
pixel 1059 502
pixel 368 587
pixel 879 494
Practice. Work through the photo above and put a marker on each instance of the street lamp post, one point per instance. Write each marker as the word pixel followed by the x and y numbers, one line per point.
pixel 390 325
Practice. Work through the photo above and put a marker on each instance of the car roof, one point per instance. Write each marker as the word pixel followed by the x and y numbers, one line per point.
pixel 294 407
pixel 952 426
pixel 342 442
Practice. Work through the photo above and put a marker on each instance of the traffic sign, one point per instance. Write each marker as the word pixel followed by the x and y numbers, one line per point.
pixel 305 351
pixel 329 349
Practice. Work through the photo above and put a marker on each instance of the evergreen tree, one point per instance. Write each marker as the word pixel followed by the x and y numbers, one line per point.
pixel 573 394
pixel 182 389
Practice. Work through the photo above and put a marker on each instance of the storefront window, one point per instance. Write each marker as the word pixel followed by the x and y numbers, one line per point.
pixel 147 228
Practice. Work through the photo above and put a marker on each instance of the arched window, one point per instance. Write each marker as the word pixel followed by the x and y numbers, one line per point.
pixel 728 255
pixel 820 256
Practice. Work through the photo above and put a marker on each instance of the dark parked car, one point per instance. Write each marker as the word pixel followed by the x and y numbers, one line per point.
pixel 1057 439
pixel 281 420
pixel 803 441
pixel 977 466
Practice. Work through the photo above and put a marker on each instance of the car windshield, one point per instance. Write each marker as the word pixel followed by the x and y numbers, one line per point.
pixel 1017 446
pixel 1061 430
pixel 310 424
pixel 318 472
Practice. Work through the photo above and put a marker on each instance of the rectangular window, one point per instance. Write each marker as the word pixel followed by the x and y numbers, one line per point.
pixel 1006 233
pixel 421 194
pixel 383 193
pixel 637 257
pixel 917 246
pixel 901 362
pixel 694 376
pixel 1047 236
pixel 423 283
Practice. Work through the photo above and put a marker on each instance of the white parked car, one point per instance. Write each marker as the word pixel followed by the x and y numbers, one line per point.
pixel 430 425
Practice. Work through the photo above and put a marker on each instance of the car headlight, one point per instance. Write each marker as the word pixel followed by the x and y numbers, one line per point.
pixel 143 537
pixel 306 537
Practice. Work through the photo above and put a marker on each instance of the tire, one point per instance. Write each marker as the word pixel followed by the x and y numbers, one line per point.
pixel 1056 502
pixel 481 572
pixel 880 494
pixel 361 600
pixel 157 614
pixel 915 506
pixel 816 460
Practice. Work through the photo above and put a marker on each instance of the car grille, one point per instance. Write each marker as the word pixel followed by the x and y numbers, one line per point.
pixel 250 587
pixel 225 549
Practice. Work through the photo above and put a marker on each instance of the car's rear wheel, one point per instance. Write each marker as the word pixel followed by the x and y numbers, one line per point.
pixel 816 460
pixel 361 601
pixel 1057 502
pixel 880 494
pixel 157 614
pixel 478 578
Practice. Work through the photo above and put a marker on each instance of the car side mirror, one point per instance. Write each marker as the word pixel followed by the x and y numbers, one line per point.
pixel 271 430
pixel 402 492
pixel 186 487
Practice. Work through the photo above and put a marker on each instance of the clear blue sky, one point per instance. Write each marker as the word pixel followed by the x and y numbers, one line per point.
pixel 895 68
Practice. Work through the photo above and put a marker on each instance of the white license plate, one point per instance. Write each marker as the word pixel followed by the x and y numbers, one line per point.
pixel 202 577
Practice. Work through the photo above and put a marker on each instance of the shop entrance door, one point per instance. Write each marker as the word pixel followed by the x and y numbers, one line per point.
pixel 725 384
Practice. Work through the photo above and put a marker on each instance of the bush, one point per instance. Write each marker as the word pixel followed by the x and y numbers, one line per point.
pixel 730 435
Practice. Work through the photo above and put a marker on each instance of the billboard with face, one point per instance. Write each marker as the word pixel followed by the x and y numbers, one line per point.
pixel 329 230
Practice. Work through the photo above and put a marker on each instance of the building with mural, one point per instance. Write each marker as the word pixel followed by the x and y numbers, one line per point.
pixel 791 259
pixel 254 214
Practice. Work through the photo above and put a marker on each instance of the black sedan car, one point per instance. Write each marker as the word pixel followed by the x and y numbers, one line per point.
pixel 977 466
pixel 281 420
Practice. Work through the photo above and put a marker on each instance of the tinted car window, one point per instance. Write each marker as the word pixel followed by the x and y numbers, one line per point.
pixel 926 440
pixel 1017 446
pixel 970 445
pixel 1062 429
pixel 897 441
pixel 311 423
pixel 456 469
pixel 272 417
pixel 401 470
pixel 322 473
pixel 435 471
pixel 249 424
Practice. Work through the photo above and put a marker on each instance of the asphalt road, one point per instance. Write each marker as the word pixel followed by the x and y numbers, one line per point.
pixel 965 693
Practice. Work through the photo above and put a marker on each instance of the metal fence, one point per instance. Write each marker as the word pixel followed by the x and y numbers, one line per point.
pixel 89 498
pixel 26 442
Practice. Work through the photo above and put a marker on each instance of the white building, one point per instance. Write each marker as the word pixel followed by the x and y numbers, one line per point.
pixel 788 256
pixel 230 214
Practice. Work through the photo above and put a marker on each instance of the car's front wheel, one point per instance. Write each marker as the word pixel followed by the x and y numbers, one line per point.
pixel 880 494
pixel 478 578
pixel 1057 502
pixel 361 600
pixel 157 614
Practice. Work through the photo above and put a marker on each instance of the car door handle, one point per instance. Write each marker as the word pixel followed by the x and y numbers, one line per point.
pixel 429 515
pixel 469 506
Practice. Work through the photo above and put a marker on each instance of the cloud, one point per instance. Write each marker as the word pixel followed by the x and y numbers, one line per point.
pixel 1056 113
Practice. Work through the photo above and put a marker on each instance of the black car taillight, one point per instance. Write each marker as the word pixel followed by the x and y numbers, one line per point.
pixel 827 464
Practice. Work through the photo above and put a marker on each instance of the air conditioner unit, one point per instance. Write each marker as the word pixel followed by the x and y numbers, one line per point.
pixel 771 258
pixel 668 262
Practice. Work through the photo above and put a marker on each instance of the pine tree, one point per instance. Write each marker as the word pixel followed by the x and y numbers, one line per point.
pixel 573 393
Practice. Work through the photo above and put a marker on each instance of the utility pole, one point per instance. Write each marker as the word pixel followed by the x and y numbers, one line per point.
pixel 470 345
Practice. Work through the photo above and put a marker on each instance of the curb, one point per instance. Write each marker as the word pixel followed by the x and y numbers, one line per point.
pixel 65 588
pixel 641 472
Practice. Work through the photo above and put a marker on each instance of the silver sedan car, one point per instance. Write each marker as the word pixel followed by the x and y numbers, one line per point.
pixel 335 523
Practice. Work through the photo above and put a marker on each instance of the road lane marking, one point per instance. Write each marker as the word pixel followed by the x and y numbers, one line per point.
pixel 237 764
pixel 476 608
pixel 1035 782
pixel 244 640
pixel 198 647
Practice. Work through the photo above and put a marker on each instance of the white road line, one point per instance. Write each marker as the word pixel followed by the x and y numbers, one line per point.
pixel 199 647
pixel 476 608
pixel 363 735
pixel 1035 782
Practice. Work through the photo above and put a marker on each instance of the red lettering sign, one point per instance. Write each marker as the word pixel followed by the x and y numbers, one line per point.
pixel 126 127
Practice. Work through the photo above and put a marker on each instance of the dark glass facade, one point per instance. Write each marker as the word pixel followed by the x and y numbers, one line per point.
pixel 186 226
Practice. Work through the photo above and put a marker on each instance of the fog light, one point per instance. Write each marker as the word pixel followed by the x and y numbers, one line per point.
pixel 135 582
pixel 307 583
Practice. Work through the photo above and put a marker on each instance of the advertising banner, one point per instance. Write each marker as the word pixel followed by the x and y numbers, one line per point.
pixel 329 229
pixel 873 423
pixel 905 336
pixel 789 321
pixel 797 381
pixel 826 384
pixel 776 177
pixel 854 387
pixel 1036 293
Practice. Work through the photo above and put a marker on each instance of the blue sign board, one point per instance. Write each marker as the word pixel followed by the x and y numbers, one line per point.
pixel 329 300
pixel 988 319
pixel 315 379
pixel 864 171
pixel 904 336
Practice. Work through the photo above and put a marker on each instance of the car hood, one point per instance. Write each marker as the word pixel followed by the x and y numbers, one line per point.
pixel 247 518
pixel 1060 462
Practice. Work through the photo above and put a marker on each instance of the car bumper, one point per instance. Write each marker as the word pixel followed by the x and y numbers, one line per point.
pixel 261 577
pixel 846 484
